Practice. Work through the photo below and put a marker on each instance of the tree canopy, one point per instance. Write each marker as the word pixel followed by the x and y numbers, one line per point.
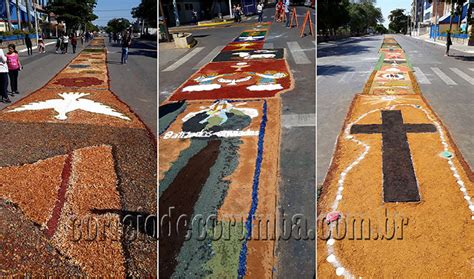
pixel 73 12
pixel 357 17
pixel 398 21
pixel 117 25
pixel 147 10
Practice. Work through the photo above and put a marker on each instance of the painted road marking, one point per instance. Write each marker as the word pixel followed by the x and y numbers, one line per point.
pixel 298 54
pixel 298 120
pixel 472 69
pixel 443 76
pixel 463 75
pixel 183 59
pixel 421 77
pixel 208 57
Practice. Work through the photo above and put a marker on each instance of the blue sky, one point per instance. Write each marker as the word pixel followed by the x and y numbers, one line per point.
pixel 109 9
pixel 389 5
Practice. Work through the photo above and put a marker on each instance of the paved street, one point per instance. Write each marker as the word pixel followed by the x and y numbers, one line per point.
pixel 134 83
pixel 297 172
pixel 344 67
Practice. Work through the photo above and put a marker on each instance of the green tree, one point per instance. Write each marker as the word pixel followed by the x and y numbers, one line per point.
pixel 398 21
pixel 74 12
pixel 332 14
pixel 358 19
pixel 117 25
pixel 146 11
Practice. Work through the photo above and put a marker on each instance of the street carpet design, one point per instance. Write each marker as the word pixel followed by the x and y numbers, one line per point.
pixel 75 161
pixel 397 199
pixel 219 152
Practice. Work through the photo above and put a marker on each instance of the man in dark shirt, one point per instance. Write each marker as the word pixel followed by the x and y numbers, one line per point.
pixel 126 42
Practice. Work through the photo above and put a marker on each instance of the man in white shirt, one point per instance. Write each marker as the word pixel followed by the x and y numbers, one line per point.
pixel 260 11
pixel 4 77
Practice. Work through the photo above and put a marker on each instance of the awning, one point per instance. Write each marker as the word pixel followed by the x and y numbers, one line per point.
pixel 447 18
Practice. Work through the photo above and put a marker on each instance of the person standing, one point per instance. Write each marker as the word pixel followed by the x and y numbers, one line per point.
pixel 126 42
pixel 41 46
pixel 82 39
pixel 3 76
pixel 287 13
pixel 28 44
pixel 73 43
pixel 260 12
pixel 14 66
pixel 238 13
pixel 449 42
pixel 65 43
pixel 58 44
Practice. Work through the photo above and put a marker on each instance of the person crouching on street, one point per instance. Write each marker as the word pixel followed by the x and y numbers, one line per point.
pixel 14 66
pixel 3 76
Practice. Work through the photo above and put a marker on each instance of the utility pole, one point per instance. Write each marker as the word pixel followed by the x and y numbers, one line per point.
pixel 9 17
pixel 18 15
pixel 36 23
pixel 436 20
pixel 230 9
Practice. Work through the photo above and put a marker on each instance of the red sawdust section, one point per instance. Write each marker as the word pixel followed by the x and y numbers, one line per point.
pixel 246 81
pixel 93 186
pixel 33 187
pixel 243 46
pixel 427 249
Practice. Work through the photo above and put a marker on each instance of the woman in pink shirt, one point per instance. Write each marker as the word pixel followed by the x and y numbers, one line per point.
pixel 14 66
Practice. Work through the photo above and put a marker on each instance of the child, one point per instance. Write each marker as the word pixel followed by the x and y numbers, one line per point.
pixel 14 66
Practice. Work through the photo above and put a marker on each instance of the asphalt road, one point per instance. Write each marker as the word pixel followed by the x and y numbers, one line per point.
pixel 297 150
pixel 134 83
pixel 344 67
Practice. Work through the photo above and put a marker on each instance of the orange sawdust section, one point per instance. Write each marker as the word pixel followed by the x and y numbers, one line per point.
pixel 97 249
pixel 429 238
pixel 437 238
pixel 33 187
pixel 88 74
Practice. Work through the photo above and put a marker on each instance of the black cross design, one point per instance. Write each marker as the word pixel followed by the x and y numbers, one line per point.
pixel 399 180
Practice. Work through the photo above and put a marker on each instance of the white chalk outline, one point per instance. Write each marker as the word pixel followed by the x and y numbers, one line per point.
pixel 332 259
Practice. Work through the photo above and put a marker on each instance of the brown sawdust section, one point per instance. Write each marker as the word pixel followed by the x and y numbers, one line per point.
pixel 93 185
pixel 74 117
pixel 27 250
pixel 437 239
pixel 33 187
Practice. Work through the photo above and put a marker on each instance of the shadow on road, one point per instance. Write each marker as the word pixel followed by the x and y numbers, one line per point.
pixel 351 47
pixel 148 53
pixel 330 70
pixel 463 57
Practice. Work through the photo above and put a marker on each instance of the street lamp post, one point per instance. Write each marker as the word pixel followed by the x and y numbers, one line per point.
pixel 36 23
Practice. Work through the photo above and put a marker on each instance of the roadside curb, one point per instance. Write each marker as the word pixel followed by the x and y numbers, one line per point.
pixel 442 44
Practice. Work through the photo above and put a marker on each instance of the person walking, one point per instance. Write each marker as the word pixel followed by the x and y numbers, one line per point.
pixel 3 76
pixel 238 13
pixel 41 46
pixel 278 10
pixel 82 39
pixel 14 66
pixel 287 13
pixel 449 42
pixel 126 42
pixel 28 44
pixel 260 12
pixel 65 43
pixel 74 43
pixel 58 44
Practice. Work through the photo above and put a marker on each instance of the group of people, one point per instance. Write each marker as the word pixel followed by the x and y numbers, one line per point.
pixel 63 41
pixel 282 11
pixel 10 66
pixel 237 12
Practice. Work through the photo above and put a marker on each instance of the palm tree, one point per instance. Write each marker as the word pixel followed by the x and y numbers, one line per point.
pixel 18 15
pixel 9 17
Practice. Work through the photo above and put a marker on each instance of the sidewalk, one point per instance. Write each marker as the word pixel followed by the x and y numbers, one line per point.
pixel 457 47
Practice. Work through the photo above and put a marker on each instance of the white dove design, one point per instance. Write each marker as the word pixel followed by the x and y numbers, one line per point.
pixel 70 102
